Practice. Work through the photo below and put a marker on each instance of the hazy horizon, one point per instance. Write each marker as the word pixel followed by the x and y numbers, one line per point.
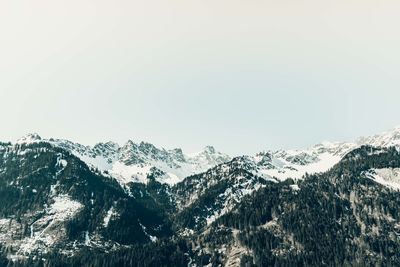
pixel 241 76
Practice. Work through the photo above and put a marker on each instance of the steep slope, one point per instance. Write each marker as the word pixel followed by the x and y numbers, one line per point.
pixel 338 218
pixel 52 201
pixel 204 197
pixel 385 139
pixel 333 204
pixel 135 162
pixel 296 163
pixel 284 164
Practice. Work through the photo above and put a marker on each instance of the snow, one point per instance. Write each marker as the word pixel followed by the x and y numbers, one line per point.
pixel 187 232
pixel 109 215
pixel 61 164
pixel 385 139
pixel 295 187
pixel 45 232
pixel 53 189
pixel 87 238
pixel 173 173
pixel 152 238
pixel 389 177
pixel 232 196
pixel 125 174
pixel 46 229
pixel 64 208
pixel 285 169
pixel 171 179
pixel 8 229
pixel 32 231
pixel 29 139
pixel 99 162
pixel 135 162
pixel 319 158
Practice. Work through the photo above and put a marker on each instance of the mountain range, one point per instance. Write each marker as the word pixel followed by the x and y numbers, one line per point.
pixel 68 204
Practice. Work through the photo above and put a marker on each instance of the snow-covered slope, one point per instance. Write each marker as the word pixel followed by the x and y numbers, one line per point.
pixel 296 163
pixel 319 158
pixel 137 162
pixel 52 200
pixel 389 177
pixel 385 139
pixel 212 194
pixel 225 185
pixel 63 205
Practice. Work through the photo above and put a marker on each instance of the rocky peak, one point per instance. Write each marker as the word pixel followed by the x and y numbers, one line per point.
pixel 385 139
pixel 209 150
pixel 178 154
pixel 29 138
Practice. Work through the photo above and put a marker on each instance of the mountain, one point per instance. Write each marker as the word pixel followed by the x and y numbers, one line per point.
pixel 51 199
pixel 347 216
pixel 66 204
pixel 205 197
pixel 135 162
pixel 284 164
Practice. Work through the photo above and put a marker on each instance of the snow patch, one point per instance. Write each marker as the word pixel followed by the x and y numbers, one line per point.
pixel 284 169
pixel 63 207
pixel 29 139
pixel 45 232
pixel 87 238
pixel 126 174
pixel 152 238
pixel 389 177
pixel 109 215
pixel 295 187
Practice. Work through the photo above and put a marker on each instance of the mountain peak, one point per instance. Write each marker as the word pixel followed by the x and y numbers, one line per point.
pixel 29 138
pixel 384 139
pixel 209 149
pixel 129 143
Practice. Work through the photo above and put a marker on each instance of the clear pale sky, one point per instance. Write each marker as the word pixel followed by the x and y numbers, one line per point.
pixel 243 76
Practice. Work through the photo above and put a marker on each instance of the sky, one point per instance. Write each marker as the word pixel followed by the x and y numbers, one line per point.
pixel 242 75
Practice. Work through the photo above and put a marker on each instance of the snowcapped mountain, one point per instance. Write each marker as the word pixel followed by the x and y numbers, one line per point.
pixel 211 194
pixel 385 139
pixel 225 185
pixel 59 204
pixel 295 164
pixel 51 199
pixel 137 162
pixel 352 207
